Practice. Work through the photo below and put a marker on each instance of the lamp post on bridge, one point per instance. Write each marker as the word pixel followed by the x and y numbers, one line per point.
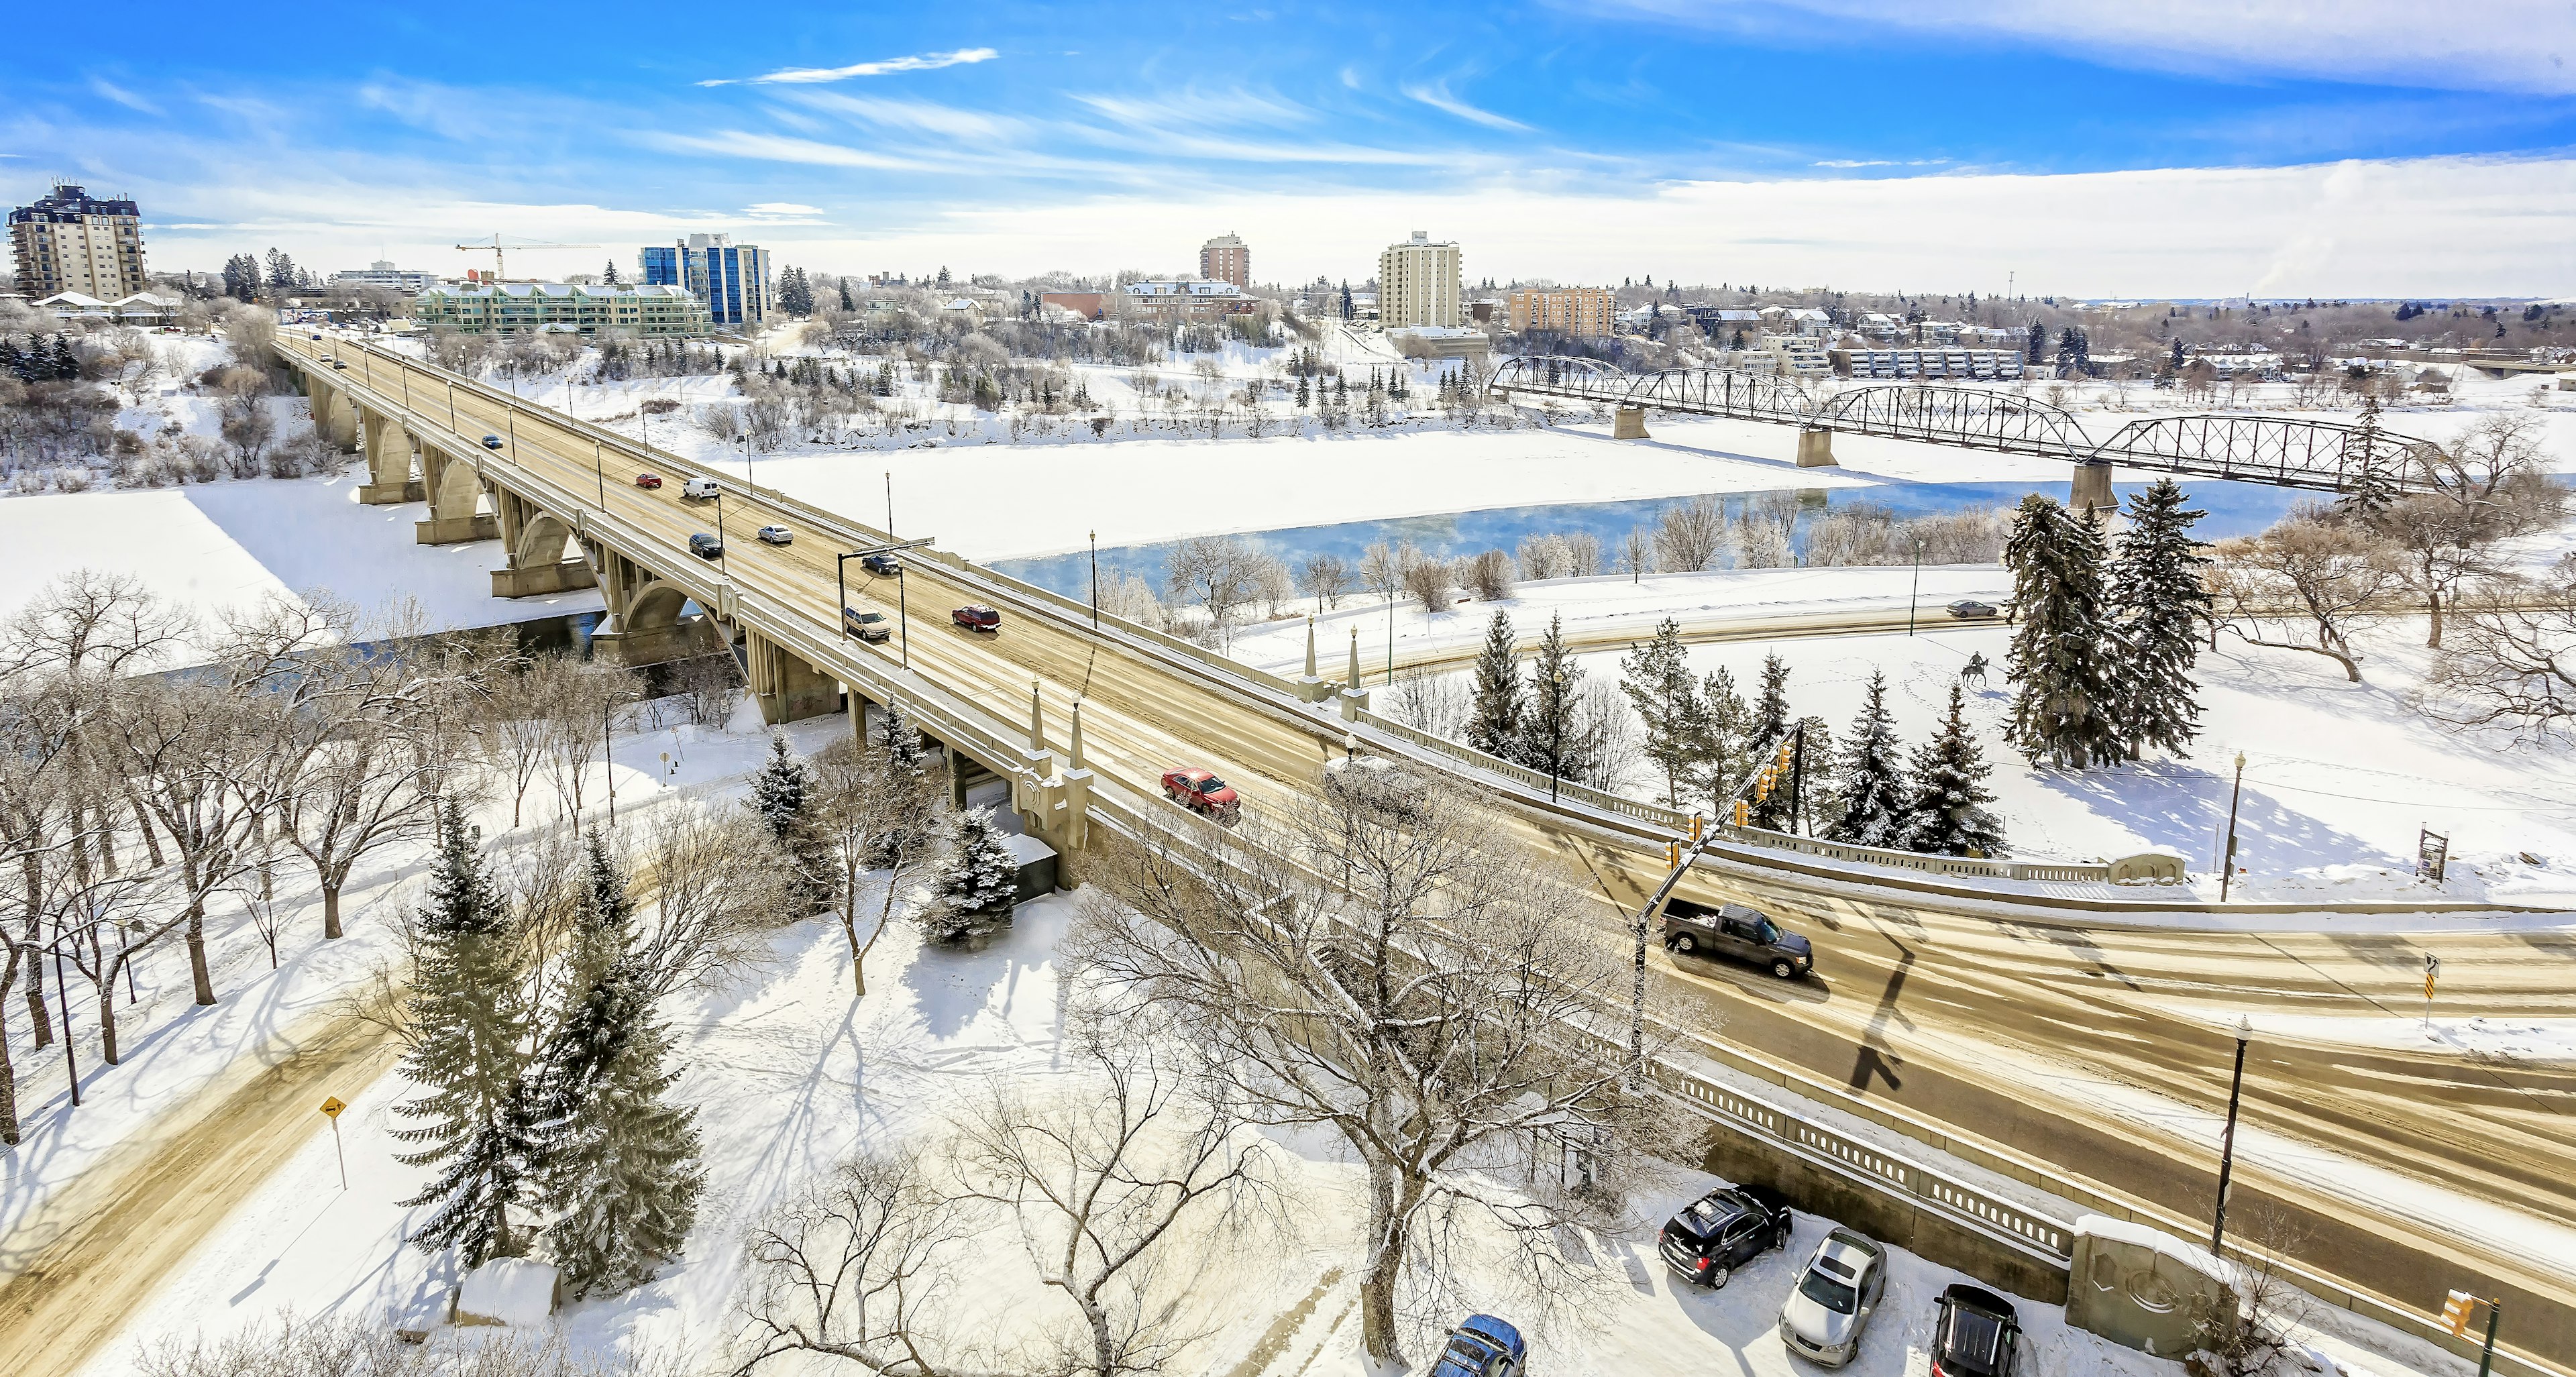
pixel 1095 578
pixel 2243 1031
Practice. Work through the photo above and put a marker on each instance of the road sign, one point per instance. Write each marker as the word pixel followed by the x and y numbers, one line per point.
pixel 331 1105
pixel 2432 854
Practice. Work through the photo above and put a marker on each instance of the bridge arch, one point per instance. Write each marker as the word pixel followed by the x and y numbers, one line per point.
pixel 542 543
pixel 2328 456
pixel 654 607
pixel 1728 391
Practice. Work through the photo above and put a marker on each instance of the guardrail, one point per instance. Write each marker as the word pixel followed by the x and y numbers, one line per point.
pixel 1468 756
pixel 1916 860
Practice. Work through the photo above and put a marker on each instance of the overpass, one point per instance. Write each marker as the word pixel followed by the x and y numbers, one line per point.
pixel 1940 996
pixel 2327 456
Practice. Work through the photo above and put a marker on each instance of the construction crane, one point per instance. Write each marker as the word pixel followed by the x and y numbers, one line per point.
pixel 498 271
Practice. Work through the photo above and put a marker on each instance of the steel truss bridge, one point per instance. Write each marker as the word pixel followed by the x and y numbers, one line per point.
pixel 2328 456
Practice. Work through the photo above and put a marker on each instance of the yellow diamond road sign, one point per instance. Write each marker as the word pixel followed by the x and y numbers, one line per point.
pixel 331 1105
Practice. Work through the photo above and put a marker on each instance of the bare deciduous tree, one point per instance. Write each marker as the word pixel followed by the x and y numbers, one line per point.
pixel 1490 574
pixel 1426 579
pixel 1690 536
pixel 1390 965
pixel 720 887
pixel 2299 585
pixel 1325 578
pixel 1218 573
pixel 875 808
pixel 2512 659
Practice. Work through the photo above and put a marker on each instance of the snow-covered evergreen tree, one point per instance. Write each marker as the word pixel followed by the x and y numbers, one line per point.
pixel 1494 720
pixel 2062 662
pixel 1719 765
pixel 1948 814
pixel 1874 794
pixel 2160 605
pixel 617 1162
pixel 1770 728
pixel 470 1022
pixel 782 794
pixel 1555 737
pixel 977 888
pixel 1657 679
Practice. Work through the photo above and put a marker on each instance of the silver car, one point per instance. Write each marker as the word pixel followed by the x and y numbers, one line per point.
pixel 1834 1299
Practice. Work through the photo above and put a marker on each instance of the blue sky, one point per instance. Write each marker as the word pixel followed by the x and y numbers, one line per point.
pixel 2191 147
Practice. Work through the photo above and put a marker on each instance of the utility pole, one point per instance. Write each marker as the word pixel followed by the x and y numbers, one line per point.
pixel 2227 1140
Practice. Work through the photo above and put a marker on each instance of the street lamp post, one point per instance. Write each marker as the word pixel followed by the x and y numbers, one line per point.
pixel 721 566
pixel 2227 868
pixel 2227 1140
pixel 889 485
pixel 903 614
pixel 1095 580
pixel 1915 598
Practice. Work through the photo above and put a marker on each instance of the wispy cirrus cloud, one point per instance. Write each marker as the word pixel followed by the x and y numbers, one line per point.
pixel 776 148
pixel 916 62
pixel 121 96
pixel 1436 95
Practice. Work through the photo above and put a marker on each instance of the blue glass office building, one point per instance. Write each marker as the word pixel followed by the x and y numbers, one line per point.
pixel 733 279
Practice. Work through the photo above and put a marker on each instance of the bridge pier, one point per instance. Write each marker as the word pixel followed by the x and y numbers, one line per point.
pixel 534 540
pixel 2090 491
pixel 389 463
pixel 644 625
pixel 1816 448
pixel 789 689
pixel 1629 423
pixel 455 494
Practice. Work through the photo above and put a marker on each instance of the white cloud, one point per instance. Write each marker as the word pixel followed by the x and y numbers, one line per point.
pixel 2498 45
pixel 1436 95
pixel 927 117
pixel 917 62
pixel 121 96
pixel 776 148
pixel 781 208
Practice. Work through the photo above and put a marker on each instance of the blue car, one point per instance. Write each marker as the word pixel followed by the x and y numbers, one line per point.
pixel 1482 1347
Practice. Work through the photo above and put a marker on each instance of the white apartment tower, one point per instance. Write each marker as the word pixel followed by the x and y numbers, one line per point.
pixel 1417 284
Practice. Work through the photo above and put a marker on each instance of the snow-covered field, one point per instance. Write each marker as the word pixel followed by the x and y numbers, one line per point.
pixel 2339 776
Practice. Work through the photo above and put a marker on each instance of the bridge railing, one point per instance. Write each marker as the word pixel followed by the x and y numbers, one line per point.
pixel 1468 756
pixel 2078 871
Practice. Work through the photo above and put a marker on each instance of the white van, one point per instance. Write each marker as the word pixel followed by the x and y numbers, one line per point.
pixel 699 489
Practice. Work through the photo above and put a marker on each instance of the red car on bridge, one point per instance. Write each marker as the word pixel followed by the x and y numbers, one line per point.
pixel 1202 792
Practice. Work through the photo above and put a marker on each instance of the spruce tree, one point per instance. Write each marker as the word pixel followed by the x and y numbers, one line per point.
pixel 1494 724
pixel 781 794
pixel 1874 794
pixel 470 1021
pixel 2159 604
pixel 1554 738
pixel 976 890
pixel 1718 767
pixel 1657 679
pixel 1947 815
pixel 2062 656
pixel 618 1162
pixel 1771 727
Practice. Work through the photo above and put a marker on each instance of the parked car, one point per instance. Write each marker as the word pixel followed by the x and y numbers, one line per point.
pixel 1723 1230
pixel 1825 1314
pixel 975 618
pixel 1975 1334
pixel 1482 1346
pixel 1969 609
pixel 491 442
pixel 872 627
pixel 700 489
pixel 1736 933
pixel 648 480
pixel 1201 791
pixel 705 546
pixel 777 535
pixel 881 562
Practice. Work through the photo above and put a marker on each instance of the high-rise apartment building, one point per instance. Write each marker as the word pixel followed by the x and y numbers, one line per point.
pixel 1417 284
pixel 733 279
pixel 71 241
pixel 1225 259
pixel 1584 312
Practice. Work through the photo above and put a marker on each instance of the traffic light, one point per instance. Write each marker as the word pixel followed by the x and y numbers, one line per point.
pixel 2457 1310
pixel 1743 813
pixel 1673 855
pixel 1780 762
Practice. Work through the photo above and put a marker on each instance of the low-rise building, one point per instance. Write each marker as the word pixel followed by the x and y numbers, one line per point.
pixel 1441 342
pixel 382 273
pixel 1184 300
pixel 563 307
pixel 1977 364
pixel 1800 356
pixel 1087 305
pixel 1583 312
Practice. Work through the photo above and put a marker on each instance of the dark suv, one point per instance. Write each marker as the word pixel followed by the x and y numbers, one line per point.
pixel 1724 1230
pixel 1738 933
pixel 1976 1335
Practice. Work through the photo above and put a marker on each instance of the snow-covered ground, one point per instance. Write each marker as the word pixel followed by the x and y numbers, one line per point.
pixel 805 1078
pixel 2339 776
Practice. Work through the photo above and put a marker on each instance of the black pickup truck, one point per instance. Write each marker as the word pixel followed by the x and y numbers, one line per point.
pixel 1737 933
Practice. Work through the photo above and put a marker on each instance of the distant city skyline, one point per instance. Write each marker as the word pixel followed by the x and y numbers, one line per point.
pixel 2359 149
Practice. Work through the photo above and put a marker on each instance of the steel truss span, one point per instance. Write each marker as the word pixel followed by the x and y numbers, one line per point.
pixel 2328 456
